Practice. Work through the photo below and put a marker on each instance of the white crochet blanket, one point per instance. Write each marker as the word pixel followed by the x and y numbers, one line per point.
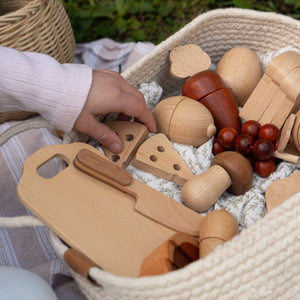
pixel 247 208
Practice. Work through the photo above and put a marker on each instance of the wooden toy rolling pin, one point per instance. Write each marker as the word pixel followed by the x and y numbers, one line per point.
pixel 229 170
pixel 208 88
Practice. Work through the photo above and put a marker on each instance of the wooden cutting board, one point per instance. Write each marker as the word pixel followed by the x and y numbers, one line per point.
pixel 115 228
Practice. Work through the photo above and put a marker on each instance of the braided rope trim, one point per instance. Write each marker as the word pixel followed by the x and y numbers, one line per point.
pixel 34 123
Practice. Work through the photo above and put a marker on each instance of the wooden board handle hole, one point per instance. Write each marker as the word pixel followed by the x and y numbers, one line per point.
pixel 51 167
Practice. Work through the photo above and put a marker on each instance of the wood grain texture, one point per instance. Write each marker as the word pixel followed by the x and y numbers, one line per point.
pixel 94 164
pixel 277 94
pixel 175 253
pixel 240 70
pixel 188 60
pixel 158 157
pixel 218 227
pixel 184 121
pixel 100 221
pixel 132 135
pixel 280 190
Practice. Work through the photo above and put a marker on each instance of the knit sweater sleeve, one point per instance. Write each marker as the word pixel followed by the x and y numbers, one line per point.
pixel 37 82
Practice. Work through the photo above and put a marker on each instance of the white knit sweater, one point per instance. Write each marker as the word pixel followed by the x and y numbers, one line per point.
pixel 36 82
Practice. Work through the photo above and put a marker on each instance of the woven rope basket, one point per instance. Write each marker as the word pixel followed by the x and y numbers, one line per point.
pixel 39 26
pixel 263 261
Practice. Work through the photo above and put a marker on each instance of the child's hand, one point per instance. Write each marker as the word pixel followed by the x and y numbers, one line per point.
pixel 110 93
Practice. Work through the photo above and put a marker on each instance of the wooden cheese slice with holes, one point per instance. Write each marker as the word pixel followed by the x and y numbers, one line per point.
pixel 157 156
pixel 132 135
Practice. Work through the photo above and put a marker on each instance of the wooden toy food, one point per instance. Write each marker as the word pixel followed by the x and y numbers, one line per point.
pixel 229 170
pixel 175 253
pixel 188 60
pixel 158 157
pixel 280 190
pixel 184 121
pixel 218 227
pixel 240 70
pixel 112 219
pixel 277 94
pixel 200 192
pixel 208 88
pixel 286 149
pixel 132 134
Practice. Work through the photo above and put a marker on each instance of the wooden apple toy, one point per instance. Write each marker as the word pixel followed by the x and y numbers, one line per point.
pixel 229 170
pixel 184 121
pixel 208 88
pixel 218 227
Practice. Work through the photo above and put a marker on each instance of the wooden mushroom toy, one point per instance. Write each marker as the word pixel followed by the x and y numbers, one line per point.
pixel 218 227
pixel 184 121
pixel 208 88
pixel 240 70
pixel 229 170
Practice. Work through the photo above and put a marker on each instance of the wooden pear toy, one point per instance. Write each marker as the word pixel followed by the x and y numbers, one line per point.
pixel 229 170
pixel 218 227
pixel 188 60
pixel 240 70
pixel 184 121
pixel 208 88
pixel 277 94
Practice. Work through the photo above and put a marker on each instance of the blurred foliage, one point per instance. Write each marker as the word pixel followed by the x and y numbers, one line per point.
pixel 143 20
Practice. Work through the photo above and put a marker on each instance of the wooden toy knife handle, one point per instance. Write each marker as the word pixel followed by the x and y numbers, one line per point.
pixel 101 168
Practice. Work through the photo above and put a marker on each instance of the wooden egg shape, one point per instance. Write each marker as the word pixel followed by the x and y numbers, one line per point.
pixel 184 120
pixel 240 70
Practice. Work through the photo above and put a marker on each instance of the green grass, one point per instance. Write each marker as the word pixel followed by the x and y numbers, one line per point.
pixel 154 21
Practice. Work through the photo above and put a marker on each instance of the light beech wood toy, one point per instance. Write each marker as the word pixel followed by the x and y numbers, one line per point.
pixel 132 135
pixel 114 222
pixel 277 94
pixel 184 121
pixel 188 60
pixel 158 157
pixel 240 70
pixel 208 88
pixel 175 253
pixel 218 227
pixel 286 150
pixel 280 190
pixel 229 171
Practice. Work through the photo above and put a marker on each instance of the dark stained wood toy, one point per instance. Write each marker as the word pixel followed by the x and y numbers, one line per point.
pixel 208 88
pixel 218 227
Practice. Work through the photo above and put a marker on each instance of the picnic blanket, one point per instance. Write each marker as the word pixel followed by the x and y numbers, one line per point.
pixel 29 247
